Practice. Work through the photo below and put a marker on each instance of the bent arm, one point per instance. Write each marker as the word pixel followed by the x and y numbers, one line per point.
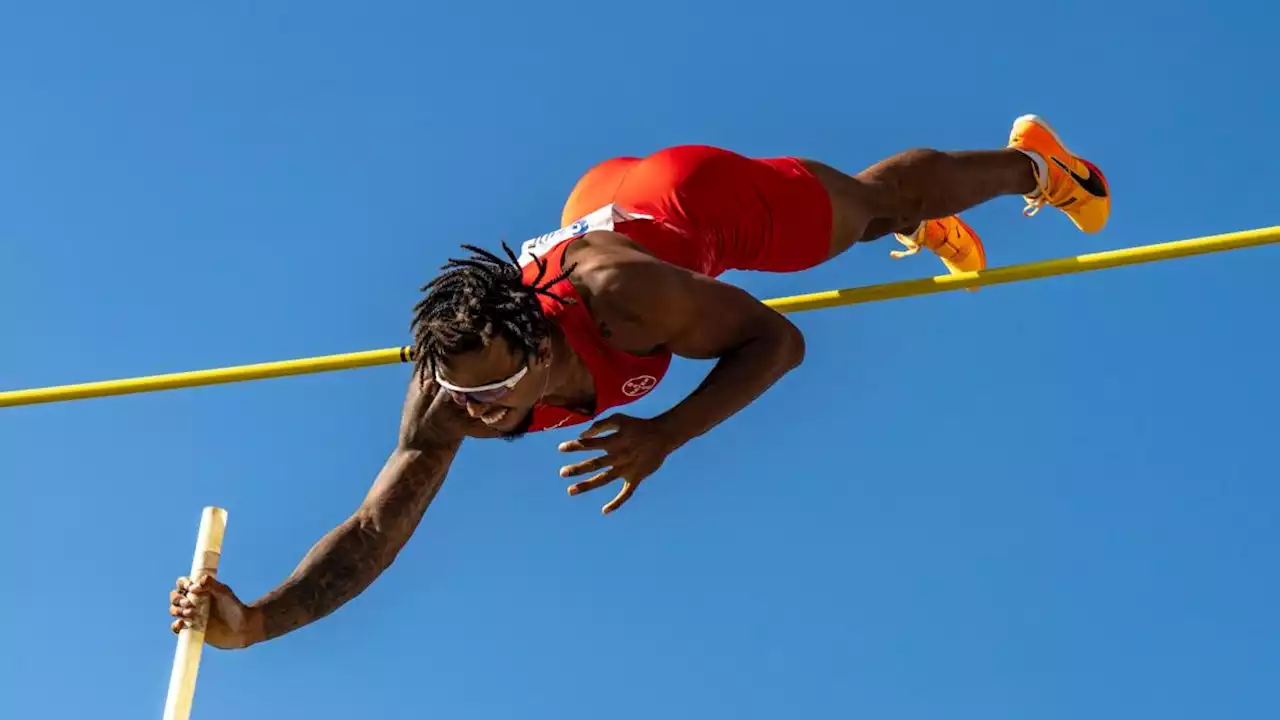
pixel 696 316
pixel 351 556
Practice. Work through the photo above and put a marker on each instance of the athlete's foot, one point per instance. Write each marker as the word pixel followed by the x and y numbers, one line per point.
pixel 951 239
pixel 1065 181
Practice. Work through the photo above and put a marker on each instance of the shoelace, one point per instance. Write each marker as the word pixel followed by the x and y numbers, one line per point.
pixel 1035 203
pixel 912 245
pixel 1041 198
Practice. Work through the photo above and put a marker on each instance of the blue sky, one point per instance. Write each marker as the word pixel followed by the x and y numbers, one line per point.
pixel 1048 500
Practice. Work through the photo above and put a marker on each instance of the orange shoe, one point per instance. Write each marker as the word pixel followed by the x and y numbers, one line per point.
pixel 951 239
pixel 1068 182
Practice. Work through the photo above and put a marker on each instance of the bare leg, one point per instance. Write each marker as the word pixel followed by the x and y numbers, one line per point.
pixel 897 194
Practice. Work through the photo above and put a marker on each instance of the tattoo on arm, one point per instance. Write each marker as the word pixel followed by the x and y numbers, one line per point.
pixel 351 556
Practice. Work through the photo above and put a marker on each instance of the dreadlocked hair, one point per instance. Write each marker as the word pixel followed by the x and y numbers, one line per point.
pixel 476 299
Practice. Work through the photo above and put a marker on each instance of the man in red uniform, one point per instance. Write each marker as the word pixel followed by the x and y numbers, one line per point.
pixel 587 319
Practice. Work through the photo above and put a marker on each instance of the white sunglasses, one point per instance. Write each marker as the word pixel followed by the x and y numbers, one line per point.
pixel 483 393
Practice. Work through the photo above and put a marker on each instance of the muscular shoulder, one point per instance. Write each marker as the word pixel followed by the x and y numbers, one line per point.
pixel 643 304
pixel 430 417
pixel 624 286
pixel 605 263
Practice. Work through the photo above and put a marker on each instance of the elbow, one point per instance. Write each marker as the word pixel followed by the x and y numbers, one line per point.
pixel 789 345
pixel 381 537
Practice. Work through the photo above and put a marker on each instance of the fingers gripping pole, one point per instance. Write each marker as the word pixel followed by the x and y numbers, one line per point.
pixel 186 660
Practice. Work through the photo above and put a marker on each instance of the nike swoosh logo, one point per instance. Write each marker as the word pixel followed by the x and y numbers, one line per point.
pixel 1092 184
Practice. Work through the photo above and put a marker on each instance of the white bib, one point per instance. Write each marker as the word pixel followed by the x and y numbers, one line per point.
pixel 603 219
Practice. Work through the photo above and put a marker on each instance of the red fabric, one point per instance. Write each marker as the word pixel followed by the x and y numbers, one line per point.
pixel 620 377
pixel 734 212
pixel 702 208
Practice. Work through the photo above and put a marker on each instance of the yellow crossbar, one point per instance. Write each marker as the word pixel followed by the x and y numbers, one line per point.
pixel 794 303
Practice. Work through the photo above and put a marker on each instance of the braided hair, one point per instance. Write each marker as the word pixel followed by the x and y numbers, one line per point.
pixel 476 299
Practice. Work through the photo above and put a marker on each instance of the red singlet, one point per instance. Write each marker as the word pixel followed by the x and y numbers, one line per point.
pixel 698 207
pixel 619 377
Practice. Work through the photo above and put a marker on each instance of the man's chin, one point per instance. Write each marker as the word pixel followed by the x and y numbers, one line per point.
pixel 519 429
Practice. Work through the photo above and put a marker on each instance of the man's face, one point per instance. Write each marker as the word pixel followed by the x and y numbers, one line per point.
pixel 485 383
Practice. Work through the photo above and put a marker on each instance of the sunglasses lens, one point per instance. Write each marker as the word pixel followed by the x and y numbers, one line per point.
pixel 482 397
pixel 485 396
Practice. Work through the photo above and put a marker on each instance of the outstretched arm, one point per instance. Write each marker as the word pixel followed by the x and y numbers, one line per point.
pixel 351 556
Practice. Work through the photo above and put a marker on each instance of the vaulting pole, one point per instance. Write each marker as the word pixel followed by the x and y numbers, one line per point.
pixel 186 658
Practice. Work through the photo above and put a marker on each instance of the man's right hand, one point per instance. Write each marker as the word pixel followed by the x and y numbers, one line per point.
pixel 231 624
pixel 352 555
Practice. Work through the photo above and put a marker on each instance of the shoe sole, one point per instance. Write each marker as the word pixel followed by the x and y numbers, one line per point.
pixel 1052 133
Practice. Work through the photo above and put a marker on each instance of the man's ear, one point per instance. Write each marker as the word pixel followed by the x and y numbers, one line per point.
pixel 544 350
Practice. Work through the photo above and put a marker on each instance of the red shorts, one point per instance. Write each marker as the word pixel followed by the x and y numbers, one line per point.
pixel 714 210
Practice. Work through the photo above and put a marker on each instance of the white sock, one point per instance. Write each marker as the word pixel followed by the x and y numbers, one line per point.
pixel 1042 168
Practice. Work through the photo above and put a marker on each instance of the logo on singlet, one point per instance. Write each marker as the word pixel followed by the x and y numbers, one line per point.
pixel 639 385
pixel 604 218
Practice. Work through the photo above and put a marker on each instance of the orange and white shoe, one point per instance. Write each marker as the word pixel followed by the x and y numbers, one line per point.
pixel 951 239
pixel 1066 181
